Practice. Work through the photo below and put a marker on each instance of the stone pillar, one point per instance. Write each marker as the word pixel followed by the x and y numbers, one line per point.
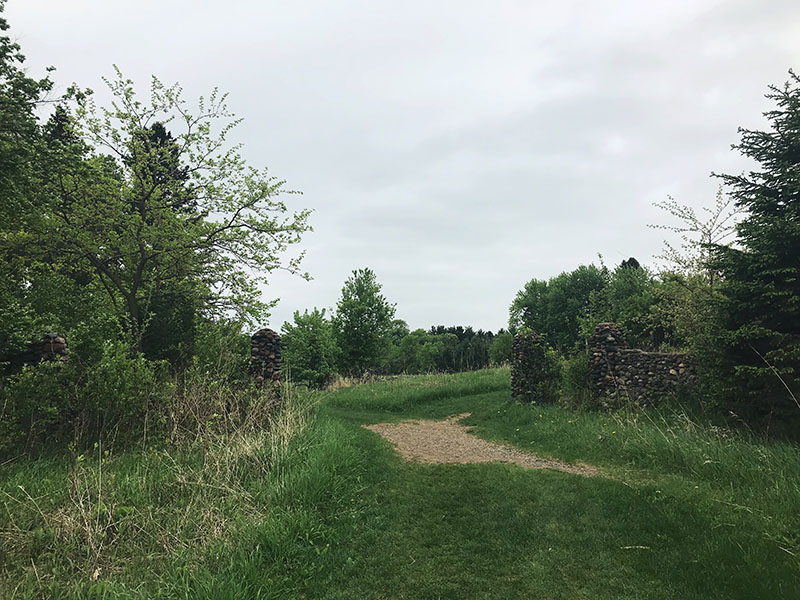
pixel 265 356
pixel 534 370
pixel 606 342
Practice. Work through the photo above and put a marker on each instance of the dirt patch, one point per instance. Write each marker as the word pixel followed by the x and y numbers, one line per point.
pixel 449 441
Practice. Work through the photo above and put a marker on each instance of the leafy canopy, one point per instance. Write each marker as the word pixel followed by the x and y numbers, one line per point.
pixel 363 323
pixel 150 196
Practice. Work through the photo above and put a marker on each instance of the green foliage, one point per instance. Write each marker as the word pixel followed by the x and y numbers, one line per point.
pixel 59 400
pixel 417 352
pixel 137 230
pixel 759 365
pixel 363 324
pixel 555 307
pixel 222 351
pixel 628 299
pixel 166 213
pixel 308 348
pixel 576 381
pixel 500 350
pixel 462 348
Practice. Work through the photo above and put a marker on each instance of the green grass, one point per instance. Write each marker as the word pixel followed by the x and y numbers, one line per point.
pixel 321 508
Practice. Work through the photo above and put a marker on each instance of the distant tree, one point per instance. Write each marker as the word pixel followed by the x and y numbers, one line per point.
pixel 627 299
pixel 529 308
pixel 363 323
pixel 760 307
pixel 462 348
pixel 417 352
pixel 309 349
pixel 555 307
pixel 500 350
pixel 399 331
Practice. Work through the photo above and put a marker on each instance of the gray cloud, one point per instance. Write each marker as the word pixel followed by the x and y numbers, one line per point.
pixel 457 148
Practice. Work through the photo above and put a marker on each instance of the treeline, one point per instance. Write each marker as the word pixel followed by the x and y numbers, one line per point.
pixel 362 337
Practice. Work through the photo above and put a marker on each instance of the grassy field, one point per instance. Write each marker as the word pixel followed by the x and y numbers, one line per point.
pixel 319 507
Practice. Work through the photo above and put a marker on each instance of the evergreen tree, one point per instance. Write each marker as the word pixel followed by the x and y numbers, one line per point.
pixel 760 309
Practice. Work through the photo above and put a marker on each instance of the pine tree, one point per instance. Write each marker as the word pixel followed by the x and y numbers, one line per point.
pixel 760 307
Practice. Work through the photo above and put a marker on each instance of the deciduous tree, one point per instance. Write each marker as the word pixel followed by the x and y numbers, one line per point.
pixel 363 323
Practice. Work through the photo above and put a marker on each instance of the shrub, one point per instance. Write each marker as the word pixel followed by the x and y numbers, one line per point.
pixel 58 399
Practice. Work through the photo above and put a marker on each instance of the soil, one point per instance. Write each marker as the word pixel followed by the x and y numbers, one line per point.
pixel 449 441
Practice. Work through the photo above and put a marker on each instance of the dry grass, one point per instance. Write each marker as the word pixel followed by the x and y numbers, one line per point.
pixel 147 506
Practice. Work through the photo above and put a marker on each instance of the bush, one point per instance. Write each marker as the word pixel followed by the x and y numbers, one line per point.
pixel 222 352
pixel 58 399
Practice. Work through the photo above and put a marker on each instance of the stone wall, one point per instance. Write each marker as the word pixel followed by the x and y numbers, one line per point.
pixel 534 369
pixel 265 356
pixel 634 375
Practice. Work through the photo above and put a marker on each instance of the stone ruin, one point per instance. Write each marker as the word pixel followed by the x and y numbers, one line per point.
pixel 533 374
pixel 626 373
pixel 265 356
pixel 50 347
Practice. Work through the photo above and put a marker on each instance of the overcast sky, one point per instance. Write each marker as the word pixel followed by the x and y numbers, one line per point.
pixel 457 148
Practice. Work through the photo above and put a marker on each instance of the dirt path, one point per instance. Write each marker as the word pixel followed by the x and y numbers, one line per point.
pixel 449 441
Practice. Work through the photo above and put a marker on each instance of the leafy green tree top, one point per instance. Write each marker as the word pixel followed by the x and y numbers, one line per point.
pixel 363 323
pixel 153 195
pixel 308 348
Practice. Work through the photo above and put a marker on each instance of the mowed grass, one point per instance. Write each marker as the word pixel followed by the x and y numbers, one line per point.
pixel 319 507
pixel 683 509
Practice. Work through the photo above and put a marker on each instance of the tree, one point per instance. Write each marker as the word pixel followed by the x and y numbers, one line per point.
pixel 309 349
pixel 554 308
pixel 627 299
pixel 500 350
pixel 698 236
pixel 760 307
pixel 529 308
pixel 363 323
pixel 20 145
pixel 160 217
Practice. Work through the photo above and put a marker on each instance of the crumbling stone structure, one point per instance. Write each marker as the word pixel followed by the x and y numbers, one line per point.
pixel 265 356
pixel 534 369
pixel 634 375
pixel 51 347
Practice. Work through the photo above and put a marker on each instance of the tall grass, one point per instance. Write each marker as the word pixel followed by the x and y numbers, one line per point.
pixel 81 521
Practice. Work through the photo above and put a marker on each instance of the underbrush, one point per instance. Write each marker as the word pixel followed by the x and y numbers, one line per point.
pixel 156 519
